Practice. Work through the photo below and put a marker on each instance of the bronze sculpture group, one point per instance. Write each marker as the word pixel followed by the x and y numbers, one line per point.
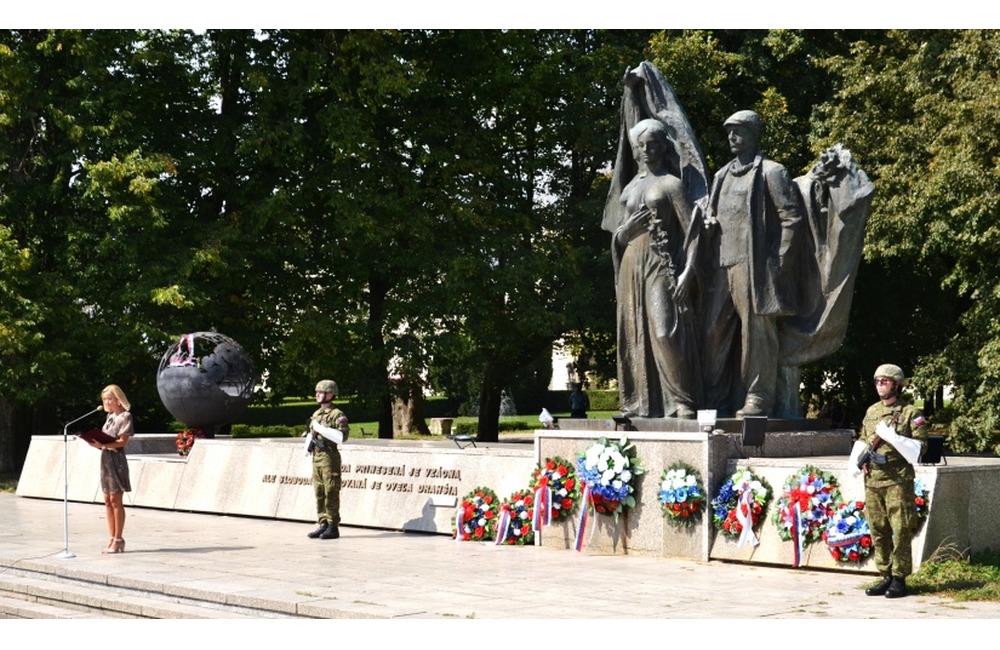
pixel 724 290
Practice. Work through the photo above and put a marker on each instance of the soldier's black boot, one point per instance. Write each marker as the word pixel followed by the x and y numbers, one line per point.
pixel 323 527
pixel 880 588
pixel 897 589
pixel 332 532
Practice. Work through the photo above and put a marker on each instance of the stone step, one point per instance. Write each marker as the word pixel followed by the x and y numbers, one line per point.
pixel 16 605
pixel 28 594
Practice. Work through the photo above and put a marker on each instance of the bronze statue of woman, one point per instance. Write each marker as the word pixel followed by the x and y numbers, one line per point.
pixel 654 249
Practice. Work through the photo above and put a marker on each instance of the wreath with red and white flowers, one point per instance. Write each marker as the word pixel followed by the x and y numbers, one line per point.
pixel 728 513
pixel 681 495
pixel 559 476
pixel 514 521
pixel 848 535
pixel 815 495
pixel 477 515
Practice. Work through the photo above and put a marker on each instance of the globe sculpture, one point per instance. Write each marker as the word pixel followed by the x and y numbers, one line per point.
pixel 205 380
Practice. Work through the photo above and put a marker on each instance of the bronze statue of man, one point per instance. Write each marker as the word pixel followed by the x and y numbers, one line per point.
pixel 754 218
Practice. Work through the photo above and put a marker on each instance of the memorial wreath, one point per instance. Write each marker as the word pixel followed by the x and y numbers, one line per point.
pixel 681 495
pixel 848 535
pixel 477 515
pixel 807 503
pixel 559 476
pixel 922 500
pixel 514 522
pixel 742 498
pixel 185 440
pixel 608 470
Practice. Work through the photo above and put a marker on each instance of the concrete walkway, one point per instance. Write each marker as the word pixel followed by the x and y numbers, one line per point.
pixel 233 567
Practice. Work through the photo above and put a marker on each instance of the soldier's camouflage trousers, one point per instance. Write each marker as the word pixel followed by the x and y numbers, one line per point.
pixel 326 484
pixel 892 517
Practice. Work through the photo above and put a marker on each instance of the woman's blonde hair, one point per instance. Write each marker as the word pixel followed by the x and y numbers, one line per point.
pixel 119 395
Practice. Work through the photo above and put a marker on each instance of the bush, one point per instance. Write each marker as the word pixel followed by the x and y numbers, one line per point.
pixel 465 428
pixel 267 431
pixel 557 401
pixel 298 411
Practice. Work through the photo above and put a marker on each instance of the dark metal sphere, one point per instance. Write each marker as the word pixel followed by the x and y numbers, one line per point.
pixel 205 380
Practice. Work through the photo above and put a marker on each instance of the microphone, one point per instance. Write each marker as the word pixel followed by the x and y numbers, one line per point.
pixel 99 408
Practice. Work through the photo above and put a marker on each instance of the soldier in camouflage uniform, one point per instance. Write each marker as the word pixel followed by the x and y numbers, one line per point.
pixel 328 428
pixel 889 495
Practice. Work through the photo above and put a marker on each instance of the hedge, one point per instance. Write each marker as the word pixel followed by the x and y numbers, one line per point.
pixel 293 416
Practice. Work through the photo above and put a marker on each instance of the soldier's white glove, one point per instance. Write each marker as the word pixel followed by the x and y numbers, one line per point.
pixel 852 462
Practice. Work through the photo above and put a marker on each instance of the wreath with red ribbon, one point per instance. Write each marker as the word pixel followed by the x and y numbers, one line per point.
pixel 807 503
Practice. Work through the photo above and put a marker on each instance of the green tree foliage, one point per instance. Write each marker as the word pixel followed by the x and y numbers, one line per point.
pixel 425 203
pixel 922 105
pixel 85 194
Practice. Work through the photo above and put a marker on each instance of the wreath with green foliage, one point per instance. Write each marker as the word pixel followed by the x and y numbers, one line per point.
pixel 726 505
pixel 681 495
pixel 477 515
pixel 559 475
pixel 817 496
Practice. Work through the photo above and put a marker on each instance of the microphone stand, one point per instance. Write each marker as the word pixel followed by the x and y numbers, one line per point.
pixel 66 554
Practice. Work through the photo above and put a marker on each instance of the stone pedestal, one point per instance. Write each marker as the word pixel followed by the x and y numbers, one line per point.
pixel 959 514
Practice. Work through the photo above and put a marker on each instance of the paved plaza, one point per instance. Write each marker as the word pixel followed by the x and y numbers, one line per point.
pixel 187 565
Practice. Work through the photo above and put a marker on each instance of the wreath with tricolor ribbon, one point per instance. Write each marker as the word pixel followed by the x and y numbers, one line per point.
pixel 808 501
pixel 848 535
pixel 515 519
pixel 476 517
pixel 607 470
pixel 556 490
pixel 739 506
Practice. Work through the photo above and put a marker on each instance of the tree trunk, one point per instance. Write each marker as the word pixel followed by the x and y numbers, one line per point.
pixel 385 429
pixel 15 435
pixel 408 414
pixel 488 426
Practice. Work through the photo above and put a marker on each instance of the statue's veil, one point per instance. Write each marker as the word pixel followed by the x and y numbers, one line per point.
pixel 648 95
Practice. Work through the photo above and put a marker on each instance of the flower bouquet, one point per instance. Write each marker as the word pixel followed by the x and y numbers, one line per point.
pixel 681 495
pixel 559 477
pixel 476 516
pixel 729 513
pixel 817 496
pixel 185 440
pixel 922 501
pixel 607 470
pixel 848 534
pixel 514 523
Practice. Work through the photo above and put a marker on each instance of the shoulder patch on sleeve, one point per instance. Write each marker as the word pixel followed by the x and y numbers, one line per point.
pixel 919 420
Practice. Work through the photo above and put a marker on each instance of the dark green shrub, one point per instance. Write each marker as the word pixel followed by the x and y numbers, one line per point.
pixel 266 431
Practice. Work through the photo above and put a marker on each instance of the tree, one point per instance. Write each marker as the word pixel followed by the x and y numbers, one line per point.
pixel 919 103
pixel 106 136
